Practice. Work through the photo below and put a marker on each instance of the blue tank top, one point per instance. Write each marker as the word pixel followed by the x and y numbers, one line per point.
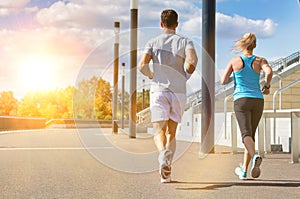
pixel 246 80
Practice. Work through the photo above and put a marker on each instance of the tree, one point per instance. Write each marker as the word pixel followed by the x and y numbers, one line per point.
pixel 48 104
pixel 7 102
pixel 139 103
pixel 83 99
pixel 126 105
pixel 29 105
pixel 92 99
pixel 103 100
pixel 65 103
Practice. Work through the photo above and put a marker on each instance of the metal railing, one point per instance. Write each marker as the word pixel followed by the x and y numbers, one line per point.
pixel 195 99
pixel 264 137
pixel 79 123
pixel 274 104
pixel 144 117
pixel 282 63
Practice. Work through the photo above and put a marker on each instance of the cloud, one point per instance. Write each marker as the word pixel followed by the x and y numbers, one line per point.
pixel 228 27
pixel 73 28
pixel 87 14
pixel 193 27
pixel 188 15
pixel 235 26
pixel 66 49
pixel 49 40
pixel 8 6
pixel 185 9
pixel 94 19
pixel 84 14
pixel 31 9
pixel 102 13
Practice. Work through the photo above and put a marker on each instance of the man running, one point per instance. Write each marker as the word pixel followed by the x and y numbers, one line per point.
pixel 174 60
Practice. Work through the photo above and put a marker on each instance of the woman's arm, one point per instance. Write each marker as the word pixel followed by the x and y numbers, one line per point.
pixel 227 73
pixel 268 76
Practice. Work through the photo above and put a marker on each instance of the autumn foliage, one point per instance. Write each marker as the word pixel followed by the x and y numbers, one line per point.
pixel 89 99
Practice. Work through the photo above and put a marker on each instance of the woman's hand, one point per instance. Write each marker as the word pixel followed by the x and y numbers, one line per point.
pixel 266 90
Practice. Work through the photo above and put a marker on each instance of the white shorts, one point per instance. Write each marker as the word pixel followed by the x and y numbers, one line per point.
pixel 167 105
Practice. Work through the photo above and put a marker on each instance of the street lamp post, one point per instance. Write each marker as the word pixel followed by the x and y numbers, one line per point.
pixel 123 94
pixel 115 80
pixel 143 95
pixel 208 76
pixel 133 64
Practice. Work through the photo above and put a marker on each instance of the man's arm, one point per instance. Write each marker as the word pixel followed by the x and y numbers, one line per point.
pixel 191 61
pixel 144 66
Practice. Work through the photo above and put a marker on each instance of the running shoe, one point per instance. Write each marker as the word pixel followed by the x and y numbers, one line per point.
pixel 165 166
pixel 167 180
pixel 239 172
pixel 256 162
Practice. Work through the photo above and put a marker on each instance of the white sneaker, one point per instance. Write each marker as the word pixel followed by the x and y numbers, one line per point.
pixel 256 162
pixel 165 166
pixel 164 157
pixel 167 180
pixel 239 172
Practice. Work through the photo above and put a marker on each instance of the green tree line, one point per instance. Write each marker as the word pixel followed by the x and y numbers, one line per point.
pixel 90 99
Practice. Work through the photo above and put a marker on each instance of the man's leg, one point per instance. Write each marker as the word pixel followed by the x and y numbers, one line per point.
pixel 160 135
pixel 165 154
pixel 171 137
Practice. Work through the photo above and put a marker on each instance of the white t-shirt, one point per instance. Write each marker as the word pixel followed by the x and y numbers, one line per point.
pixel 168 52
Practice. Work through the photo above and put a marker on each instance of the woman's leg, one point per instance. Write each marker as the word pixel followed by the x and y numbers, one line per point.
pixel 249 141
pixel 256 113
pixel 243 115
pixel 249 151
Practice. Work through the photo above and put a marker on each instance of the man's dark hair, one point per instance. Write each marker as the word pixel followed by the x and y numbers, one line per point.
pixel 169 18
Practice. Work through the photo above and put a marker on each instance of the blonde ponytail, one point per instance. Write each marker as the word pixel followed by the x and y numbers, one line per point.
pixel 247 42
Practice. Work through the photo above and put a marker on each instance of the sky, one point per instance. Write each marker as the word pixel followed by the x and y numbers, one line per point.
pixel 53 44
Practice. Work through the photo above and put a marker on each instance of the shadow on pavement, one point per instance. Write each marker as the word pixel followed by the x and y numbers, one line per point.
pixel 250 182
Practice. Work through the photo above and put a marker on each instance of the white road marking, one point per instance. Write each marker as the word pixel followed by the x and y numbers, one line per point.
pixel 51 148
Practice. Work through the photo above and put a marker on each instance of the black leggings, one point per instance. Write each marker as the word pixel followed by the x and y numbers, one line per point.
pixel 248 112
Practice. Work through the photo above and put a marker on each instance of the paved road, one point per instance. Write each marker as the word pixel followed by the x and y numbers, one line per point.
pixel 54 164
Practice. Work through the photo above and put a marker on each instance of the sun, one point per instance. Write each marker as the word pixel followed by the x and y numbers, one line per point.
pixel 36 73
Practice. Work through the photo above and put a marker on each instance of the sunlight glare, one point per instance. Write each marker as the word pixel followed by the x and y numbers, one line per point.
pixel 36 73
